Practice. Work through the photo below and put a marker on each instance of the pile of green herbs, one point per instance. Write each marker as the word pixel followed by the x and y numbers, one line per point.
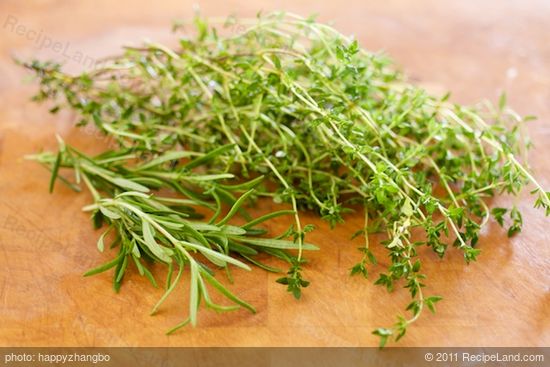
pixel 333 128
pixel 149 226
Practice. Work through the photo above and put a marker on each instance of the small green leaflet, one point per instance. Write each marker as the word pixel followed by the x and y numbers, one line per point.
pixel 129 185
pixel 100 241
pixel 149 239
pixel 280 244
pixel 194 293
pixel 167 157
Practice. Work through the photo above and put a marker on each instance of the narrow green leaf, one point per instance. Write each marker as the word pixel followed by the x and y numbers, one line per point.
pixel 212 177
pixel 55 171
pixel 106 266
pixel 262 265
pixel 109 213
pixel 100 241
pixel 235 208
pixel 135 250
pixel 133 193
pixel 167 157
pixel 502 101
pixel 210 303
pixel 208 157
pixel 169 290
pixel 152 244
pixel 267 217
pixel 279 244
pixel 129 185
pixel 245 185
pixel 241 249
pixel 219 256
pixel 214 282
pixel 178 326
pixel 139 266
pixel 122 270
pixel 233 230
pixel 194 293
pixel 199 226
pixel 149 276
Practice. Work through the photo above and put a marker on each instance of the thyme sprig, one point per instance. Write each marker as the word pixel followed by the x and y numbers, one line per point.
pixel 332 126
pixel 149 227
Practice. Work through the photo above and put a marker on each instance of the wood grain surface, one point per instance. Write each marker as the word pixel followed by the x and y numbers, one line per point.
pixel 475 49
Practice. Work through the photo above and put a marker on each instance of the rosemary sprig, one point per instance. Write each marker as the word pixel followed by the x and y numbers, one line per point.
pixel 153 228
pixel 331 125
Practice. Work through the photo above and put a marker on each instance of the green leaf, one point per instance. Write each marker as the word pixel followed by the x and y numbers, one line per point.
pixel 414 306
pixel 384 334
pixel 167 157
pixel 276 61
pixel 241 249
pixel 498 214
pixel 430 302
pixel 502 102
pixel 208 157
pixel 279 244
pixel 100 241
pixel 359 269
pixel 139 266
pixel 212 177
pixel 245 185
pixel 235 208
pixel 470 254
pixel 121 270
pixel 55 171
pixel 267 217
pixel 178 326
pixel 232 230
pixel 407 209
pixel 150 277
pixel 129 185
pixel 271 269
pixel 513 230
pixel 199 226
pixel 210 303
pixel 210 279
pixel 109 213
pixel 220 258
pixel 193 293
pixel 152 244
pixel 168 291
pixel 133 193
pixel 106 266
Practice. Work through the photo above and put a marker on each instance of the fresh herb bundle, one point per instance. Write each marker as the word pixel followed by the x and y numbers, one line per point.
pixel 333 127
pixel 153 228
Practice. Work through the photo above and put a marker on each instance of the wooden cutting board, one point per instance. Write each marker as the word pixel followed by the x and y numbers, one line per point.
pixel 46 242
